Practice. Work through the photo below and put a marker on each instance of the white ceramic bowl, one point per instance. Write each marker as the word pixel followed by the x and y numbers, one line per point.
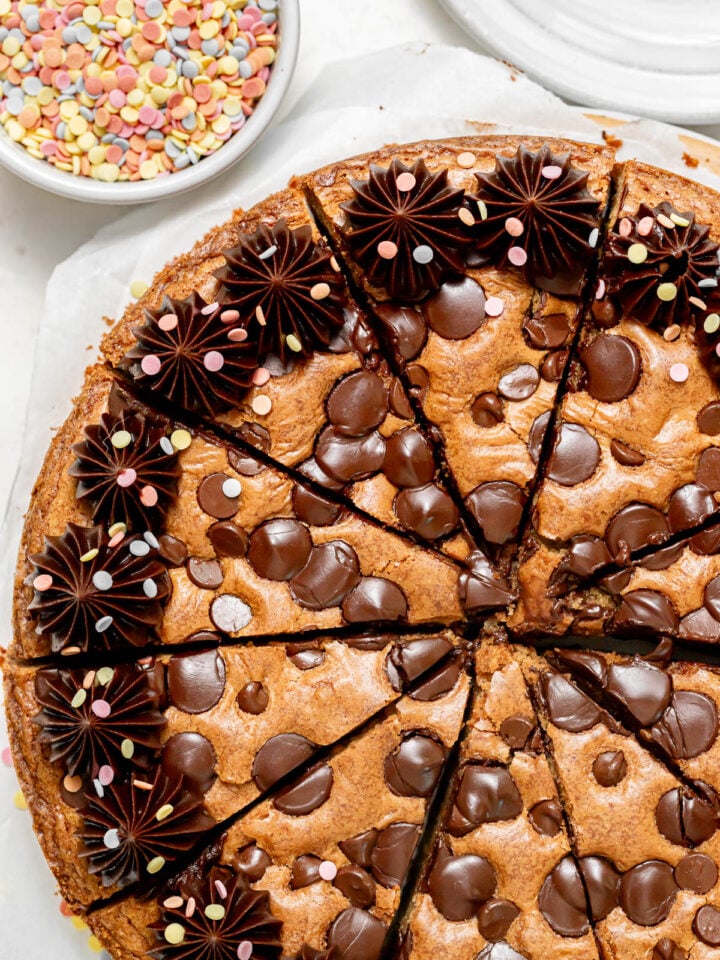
pixel 44 175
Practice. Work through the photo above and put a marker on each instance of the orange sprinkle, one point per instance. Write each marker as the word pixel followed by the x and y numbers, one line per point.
pixel 28 118
pixel 151 31
pixel 102 117
pixel 51 110
pixel 157 74
pixel 47 19
pixel 137 143
pixel 202 92
pixel 253 88
pixel 114 154
pixel 53 56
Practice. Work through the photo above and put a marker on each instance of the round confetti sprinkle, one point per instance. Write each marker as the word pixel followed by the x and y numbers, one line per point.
pixel 65 909
pixel 90 555
pixel 261 376
pixel 679 221
pixel 168 322
pixel 95 944
pixel 710 325
pixel 594 237
pixel 101 708
pixel 6 757
pixel 138 288
pixel 79 699
pixel 215 911
pixel 482 209
pixel 102 580
pixel 106 775
pixel 104 676
pixel 150 588
pixel 244 950
pixel 625 227
pixel 293 343
pixel 466 160
pixel 155 865
pixel 665 222
pixel 150 365
pixel 127 749
pixel 213 361
pixel 174 932
pixel 637 253
pixel 679 372
pixel 19 800
pixel 514 227
pixel 117 528
pixel 111 839
pixel 173 903
pixel 466 217
pixel 42 582
pixel 494 306
pixel 121 439
pixel 103 624
pixel 667 292
pixel 261 404
pixel 551 172
pixel 164 812
pixel 327 870
pixel 320 291
pixel 138 548
pixel 149 496
pixel 672 332
pixel 405 182
pixel 644 226
pixel 517 256
pixel 423 254
pixel 73 784
pixel 387 250
pixel 180 439
pixel 231 488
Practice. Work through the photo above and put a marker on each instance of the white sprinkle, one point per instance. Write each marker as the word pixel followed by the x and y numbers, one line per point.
pixel 150 588
pixel 138 548
pixel 151 540
pixel 111 839
pixel 423 254
pixel 102 580
pixel 99 789
pixel 231 488
pixel 166 446
pixel 594 237
pixel 266 254
pixel 103 624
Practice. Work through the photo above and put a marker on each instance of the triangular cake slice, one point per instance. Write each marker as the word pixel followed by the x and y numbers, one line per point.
pixel 473 253
pixel 256 330
pixel 501 883
pixel 636 459
pixel 209 730
pixel 327 856
pixel 647 840
pixel 143 531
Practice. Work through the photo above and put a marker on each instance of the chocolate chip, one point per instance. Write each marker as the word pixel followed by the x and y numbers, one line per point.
pixel 498 508
pixel 312 508
pixel 307 794
pixel 688 727
pixel 689 506
pixel 584 664
pixel 406 326
pixel 196 681
pixel 667 949
pixel 328 576
pixel 706 925
pixel 313 471
pixel 374 599
pixel 641 687
pixel 696 872
pixel 413 768
pixel 440 682
pixel 546 817
pixel 684 819
pixel 519 383
pixel 459 886
pixel 516 729
pixel 587 554
pixel 357 935
pixel 252 862
pixel 279 549
pixel 428 511
pixel 356 885
pixel 228 539
pixel 647 892
pixel 304 871
pixel 392 852
pixel 205 574
pixel 409 460
pixel 190 755
pixel 625 454
pixel 610 768
pixel 399 401
pixel 419 380
pixel 457 310
pixel 409 660
pixel 601 881
pixel 487 410
pixel 357 404
pixel 485 794
pixel 612 365
pixel 257 436
pixel 172 550
pixel 253 698
pixel 575 455
pixel 662 559
pixel 707 543
pixel 537 435
pixel 495 917
pixel 212 499
pixel 711 597
pixel 347 459
pixel 708 420
pixel 646 610
pixel 636 525
pixel 699 625
pixel 278 756
pixel 708 469
pixel 553 366
pixel 482 587
pixel 547 332
pixel 567 707
pixel 305 656
pixel 562 900
pixel 359 849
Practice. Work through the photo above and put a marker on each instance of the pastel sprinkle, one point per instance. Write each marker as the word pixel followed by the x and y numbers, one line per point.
pixel 261 376
pixel 229 316
pixel 215 911
pixel 180 439
pixel 104 676
pixel 405 182
pixel 95 944
pixel 102 580
pixel 174 933
pixel 517 256
pixel 190 907
pixel 213 361
pixel 666 221
pixel 423 254
pixel 327 870
pixel 79 699
pixel 121 439
pixel 231 488
pixel 164 812
pixel 679 372
pixel 261 404
pixel 711 324
pixel 6 757
pixel 293 343
pixel 672 332
pixel 19 800
pixel 551 172
pixel 138 288
pixel 637 253
pixel 127 749
pixel 101 709
pixel 594 237
pixel 168 322
pixel 237 334
pixel 155 865
pixel 625 227
pixel 117 528
pixel 106 775
pixel 103 624
pixel 150 589
pixel 150 365
pixel 387 249
pixel 645 225
pixel 126 478
pixel 221 889
pixel 73 784
pixel 679 221
pixel 90 555
pixel 244 950
pixel 79 923
pixel 494 306
pixel 666 292
pixel 173 903
pixel 42 582
pixel 320 291
pixel 466 217
pixel 514 227
pixel 466 159
pixel 148 496
pixel 482 209
pixel 138 548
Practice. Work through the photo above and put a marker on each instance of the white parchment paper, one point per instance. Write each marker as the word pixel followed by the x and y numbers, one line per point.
pixel 395 95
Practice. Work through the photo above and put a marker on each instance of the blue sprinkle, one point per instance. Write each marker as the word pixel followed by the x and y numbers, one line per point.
pixel 180 33
pixel 153 135
pixel 87 113
pixel 17 33
pixel 61 130
pixel 105 25
pixel 32 86
pixel 269 18
pixel 193 157
pixel 83 33
pixel 154 8
pixel 33 24
pixel 122 143
pixel 210 47
pixel 189 122
pixel 69 35
pixel 182 162
pixel 189 69
pixel 240 50
pixel 162 58
pixel 107 138
pixel 245 70
pixel 181 52
pixel 172 149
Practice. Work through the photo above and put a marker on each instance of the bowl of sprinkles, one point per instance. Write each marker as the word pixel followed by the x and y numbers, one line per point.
pixel 127 101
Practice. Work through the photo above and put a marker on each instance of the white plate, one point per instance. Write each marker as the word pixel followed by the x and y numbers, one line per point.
pixel 656 58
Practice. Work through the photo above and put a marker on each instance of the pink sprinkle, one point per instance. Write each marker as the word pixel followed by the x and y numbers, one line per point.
pixel 42 582
pixel 514 227
pixel 118 538
pixel 645 226
pixel 6 757
pixel 126 477
pixel 551 172
pixel 106 775
pixel 101 708
pixel 209 308
pixel 406 181
pixel 147 114
pixel 600 292
pixel 260 377
pixel 494 306
pixel 213 361
pixel 117 98
pixel 327 870
pixel 244 950
pixel 229 316
pixel 237 335
pixel 387 249
pixel 517 256
pixel 221 889
pixel 679 372
pixel 149 496
pixel 190 907
pixel 62 80
pixel 150 365
pixel 168 322
pixel 625 228
pixel 48 148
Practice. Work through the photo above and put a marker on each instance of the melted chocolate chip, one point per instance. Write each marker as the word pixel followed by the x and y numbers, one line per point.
pixel 407 328
pixel 684 819
pixel 562 900
pixel 584 664
pixel 647 892
pixel 495 917
pixel 253 698
pixel 708 469
pixel 498 508
pixel 375 599
pixel 228 539
pixel 711 598
pixel 252 862
pixel 457 310
pixel 706 543
pixel 357 885
pixel 516 729
pixel 708 420
pixel 347 459
pixel 587 554
pixel 190 755
pixel 328 576
pixel 553 366
pixel 357 404
pixel 359 849
pixel 304 871
pixel 399 400
pixel 306 794
pixel 646 610
pixel 537 435
pixel 547 332
pixel 257 436
pixel 305 656
pixel 610 768
pixel 546 817
pixel 459 886
pixel 410 660
pixel 414 767
pixel 212 499
pixel 689 506
pixel 439 683
pixel 688 727
pixel 485 795
pixel 641 687
pixel 312 508
pixel 487 410
pixel 172 550
pixel 601 882
pixel 409 460
pixel 279 549
pixel 520 383
pixel 567 707
pixel 662 559
pixel 612 365
pixel 667 949
pixel 428 511
pixel 357 935
pixel 196 681
pixel 205 574
pixel 636 525
pixel 696 872
pixel 278 756
pixel 391 854
pixel 707 925
pixel 575 455
pixel 625 454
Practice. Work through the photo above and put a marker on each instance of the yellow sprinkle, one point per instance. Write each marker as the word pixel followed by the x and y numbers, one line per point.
pixel 221 124
pixel 209 29
pixel 15 130
pixel 180 439
pixel 136 98
pixel 45 96
pixel 90 555
pixel 19 800
pixel 78 923
pixel 127 749
pixel 293 343
pixel 667 292
pixel 712 323
pixel 124 27
pixel 637 253
pixel 95 944
pixel 96 155
pixel 138 288
pixel 466 159
pixel 79 699
pixel 232 106
pixel 121 439
pixel 19 60
pixel 214 911
pixel 125 8
pixel 91 15
pixel 104 676
pixel 164 812
pixel 155 865
pixel 78 126
pixel 680 221
pixel 108 172
pixel 4 7
pixel 10 46
pixel 482 209
pixel 261 404
pixel 86 141
pixel 174 933
pixel 148 170
pixel 129 115
pixel 116 528
pixel 227 65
